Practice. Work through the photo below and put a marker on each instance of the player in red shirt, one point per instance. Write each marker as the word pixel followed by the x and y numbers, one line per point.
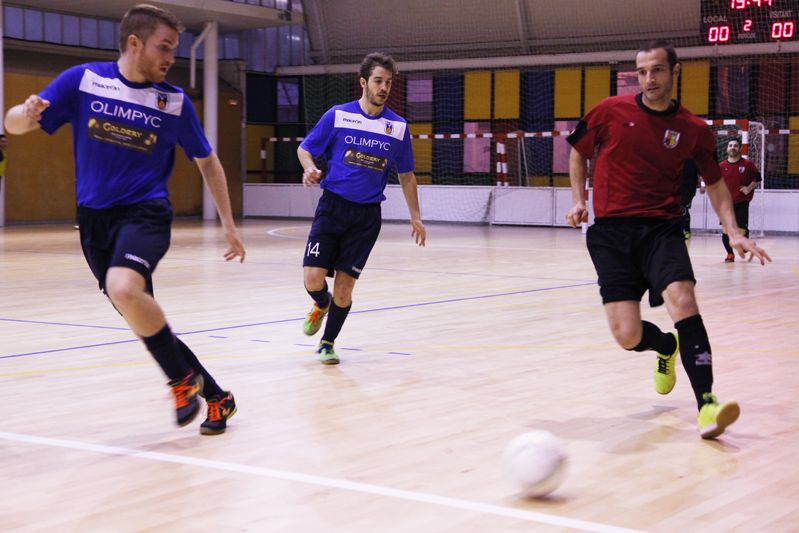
pixel 742 178
pixel 639 145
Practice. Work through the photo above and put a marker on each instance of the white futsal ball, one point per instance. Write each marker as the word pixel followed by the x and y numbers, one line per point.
pixel 535 462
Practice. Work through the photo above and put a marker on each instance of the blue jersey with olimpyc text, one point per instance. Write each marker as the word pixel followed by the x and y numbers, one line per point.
pixel 124 133
pixel 360 150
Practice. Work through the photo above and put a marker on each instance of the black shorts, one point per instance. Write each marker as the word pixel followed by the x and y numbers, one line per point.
pixel 742 214
pixel 634 255
pixel 133 236
pixel 342 235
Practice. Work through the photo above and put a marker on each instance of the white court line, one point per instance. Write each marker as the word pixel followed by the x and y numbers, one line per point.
pixel 344 484
pixel 277 233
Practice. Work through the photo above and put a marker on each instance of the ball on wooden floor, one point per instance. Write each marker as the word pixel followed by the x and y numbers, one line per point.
pixel 535 462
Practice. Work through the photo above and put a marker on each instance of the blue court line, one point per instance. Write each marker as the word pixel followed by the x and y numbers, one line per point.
pixel 68 349
pixel 396 307
pixel 398 353
pixel 391 308
pixel 61 324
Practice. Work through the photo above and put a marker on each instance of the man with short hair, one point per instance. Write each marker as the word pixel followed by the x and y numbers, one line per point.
pixel 362 141
pixel 639 144
pixel 742 178
pixel 126 121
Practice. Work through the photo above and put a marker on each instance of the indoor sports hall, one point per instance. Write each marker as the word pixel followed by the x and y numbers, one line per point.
pixel 493 329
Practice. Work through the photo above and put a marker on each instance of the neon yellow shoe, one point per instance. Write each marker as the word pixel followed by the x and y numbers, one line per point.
pixel 326 353
pixel 314 319
pixel 714 417
pixel 665 373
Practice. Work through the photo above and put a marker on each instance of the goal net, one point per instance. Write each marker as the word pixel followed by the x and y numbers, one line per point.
pixel 489 107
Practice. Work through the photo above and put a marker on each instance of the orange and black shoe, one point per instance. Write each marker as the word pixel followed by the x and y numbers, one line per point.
pixel 186 391
pixel 220 409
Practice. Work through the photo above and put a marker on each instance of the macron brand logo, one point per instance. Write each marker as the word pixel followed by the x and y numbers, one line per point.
pixel 137 259
pixel 377 126
pixel 104 86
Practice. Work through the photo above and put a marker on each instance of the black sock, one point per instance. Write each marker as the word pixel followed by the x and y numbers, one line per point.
pixel 210 387
pixel 654 339
pixel 725 240
pixel 335 320
pixel 321 297
pixel 166 354
pixel 696 355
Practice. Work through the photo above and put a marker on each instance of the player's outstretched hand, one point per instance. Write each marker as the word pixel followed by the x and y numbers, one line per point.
pixel 744 246
pixel 577 214
pixel 34 106
pixel 236 248
pixel 418 231
pixel 311 176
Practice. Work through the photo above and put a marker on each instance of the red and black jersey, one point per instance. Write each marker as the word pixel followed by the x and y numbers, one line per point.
pixel 638 156
pixel 737 175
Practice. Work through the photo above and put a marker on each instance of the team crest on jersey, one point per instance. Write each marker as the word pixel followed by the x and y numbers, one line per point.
pixel 389 128
pixel 671 139
pixel 741 170
pixel 162 101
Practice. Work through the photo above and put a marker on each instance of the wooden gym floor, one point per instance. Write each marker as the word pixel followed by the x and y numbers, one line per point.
pixel 449 352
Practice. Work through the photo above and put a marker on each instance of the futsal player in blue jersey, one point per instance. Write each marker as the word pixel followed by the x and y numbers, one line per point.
pixel 126 121
pixel 362 141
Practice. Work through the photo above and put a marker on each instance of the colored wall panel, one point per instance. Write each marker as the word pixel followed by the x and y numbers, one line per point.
pixel 396 98
pixel 732 91
pixel 507 87
pixel 254 135
pixel 420 99
pixel 422 148
pixel 561 147
pixel 771 87
pixel 477 95
pixel 626 83
pixel 537 95
pixel 696 87
pixel 793 147
pixel 320 93
pixel 567 92
pixel 447 103
pixel 539 149
pixel 477 152
pixel 597 86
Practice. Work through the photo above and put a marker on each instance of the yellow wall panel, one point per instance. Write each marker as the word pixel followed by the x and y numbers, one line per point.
pixel 477 95
pixel 506 94
pixel 793 147
pixel 567 92
pixel 255 132
pixel 695 86
pixel 597 86
pixel 422 148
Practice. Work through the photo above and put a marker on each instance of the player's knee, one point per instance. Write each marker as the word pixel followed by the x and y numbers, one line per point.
pixel 627 335
pixel 682 301
pixel 120 291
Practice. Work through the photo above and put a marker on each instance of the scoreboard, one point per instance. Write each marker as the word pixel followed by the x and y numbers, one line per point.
pixel 749 21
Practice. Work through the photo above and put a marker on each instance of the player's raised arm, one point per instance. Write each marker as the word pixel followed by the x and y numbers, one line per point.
pixel 25 117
